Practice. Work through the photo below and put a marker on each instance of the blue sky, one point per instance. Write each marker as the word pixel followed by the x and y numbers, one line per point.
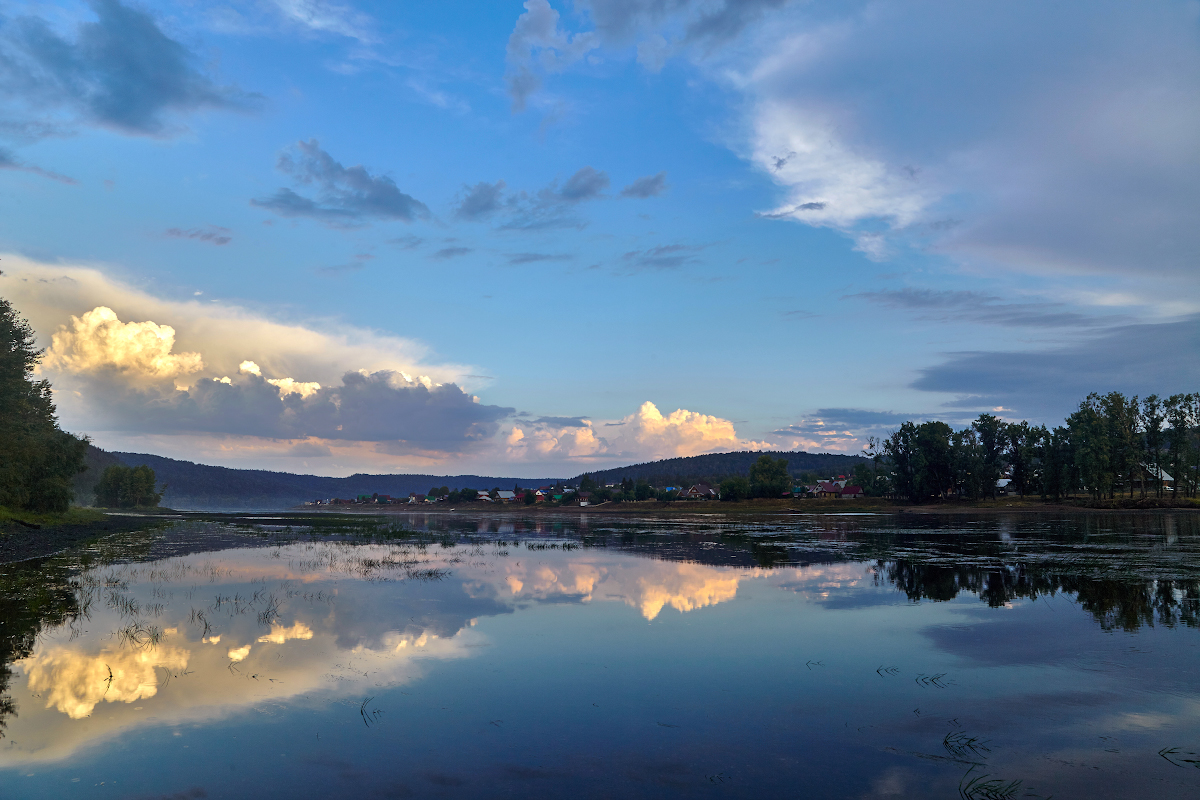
pixel 331 237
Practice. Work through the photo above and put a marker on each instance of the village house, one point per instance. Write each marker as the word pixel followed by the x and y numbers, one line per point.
pixel 1150 479
pixel 699 491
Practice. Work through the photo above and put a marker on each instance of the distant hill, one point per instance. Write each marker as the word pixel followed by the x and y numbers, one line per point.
pixel 200 487
pixel 718 466
pixel 197 487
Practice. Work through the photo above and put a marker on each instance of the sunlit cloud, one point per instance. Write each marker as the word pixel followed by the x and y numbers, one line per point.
pixel 73 682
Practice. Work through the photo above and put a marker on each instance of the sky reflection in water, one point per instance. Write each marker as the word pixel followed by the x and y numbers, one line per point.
pixel 862 657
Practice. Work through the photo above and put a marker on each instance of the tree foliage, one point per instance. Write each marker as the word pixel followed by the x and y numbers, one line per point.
pixel 127 487
pixel 38 460
pixel 1110 445
pixel 769 477
pixel 734 489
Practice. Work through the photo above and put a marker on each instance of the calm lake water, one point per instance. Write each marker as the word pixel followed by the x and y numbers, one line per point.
pixel 461 656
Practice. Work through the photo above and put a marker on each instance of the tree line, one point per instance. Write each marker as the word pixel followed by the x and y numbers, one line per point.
pixel 38 460
pixel 1112 445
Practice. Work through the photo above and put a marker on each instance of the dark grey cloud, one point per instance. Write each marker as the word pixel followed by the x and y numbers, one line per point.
pixel 378 407
pixel 9 161
pixel 481 201
pixel 667 256
pixel 649 186
pixel 451 252
pixel 120 71
pixel 213 234
pixel 345 196
pixel 966 306
pixel 533 258
pixel 1162 358
pixel 728 19
pixel 586 184
pixel 862 417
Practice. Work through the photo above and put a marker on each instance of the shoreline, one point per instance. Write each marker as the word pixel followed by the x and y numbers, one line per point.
pixel 683 508
pixel 21 542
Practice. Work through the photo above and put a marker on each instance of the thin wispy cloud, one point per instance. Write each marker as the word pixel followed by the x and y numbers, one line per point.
pixel 517 259
pixel 11 162
pixel 667 256
pixel 213 234
pixel 452 252
pixel 969 306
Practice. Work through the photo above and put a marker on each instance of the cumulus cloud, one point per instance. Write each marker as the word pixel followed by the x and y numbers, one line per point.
pixel 213 234
pixel 226 334
pixel 650 434
pixel 120 71
pixel 98 341
pixel 645 435
pixel 537 43
pixel 649 186
pixel 74 683
pixel 345 195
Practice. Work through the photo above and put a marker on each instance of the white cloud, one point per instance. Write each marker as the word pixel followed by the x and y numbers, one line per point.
pixel 327 17
pixel 645 435
pixel 99 340
pixel 225 334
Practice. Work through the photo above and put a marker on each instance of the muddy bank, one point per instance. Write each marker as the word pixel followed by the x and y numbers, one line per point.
pixel 19 542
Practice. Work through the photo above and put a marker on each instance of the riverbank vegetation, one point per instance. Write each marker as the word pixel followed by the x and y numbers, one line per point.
pixel 1112 447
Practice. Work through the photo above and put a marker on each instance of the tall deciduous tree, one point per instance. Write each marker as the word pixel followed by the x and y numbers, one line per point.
pixel 37 458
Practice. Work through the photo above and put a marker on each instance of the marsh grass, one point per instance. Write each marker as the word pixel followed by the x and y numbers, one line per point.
pixel 985 787
pixel 138 636
pixel 960 745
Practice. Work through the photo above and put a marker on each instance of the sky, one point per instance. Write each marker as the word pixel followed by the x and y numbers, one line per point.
pixel 537 238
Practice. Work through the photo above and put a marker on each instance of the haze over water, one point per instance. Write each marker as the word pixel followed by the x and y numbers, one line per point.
pixel 472 656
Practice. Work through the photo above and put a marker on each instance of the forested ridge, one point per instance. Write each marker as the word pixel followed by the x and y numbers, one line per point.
pixel 203 487
pixel 715 467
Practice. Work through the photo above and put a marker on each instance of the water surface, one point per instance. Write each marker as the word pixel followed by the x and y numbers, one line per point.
pixel 475 656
